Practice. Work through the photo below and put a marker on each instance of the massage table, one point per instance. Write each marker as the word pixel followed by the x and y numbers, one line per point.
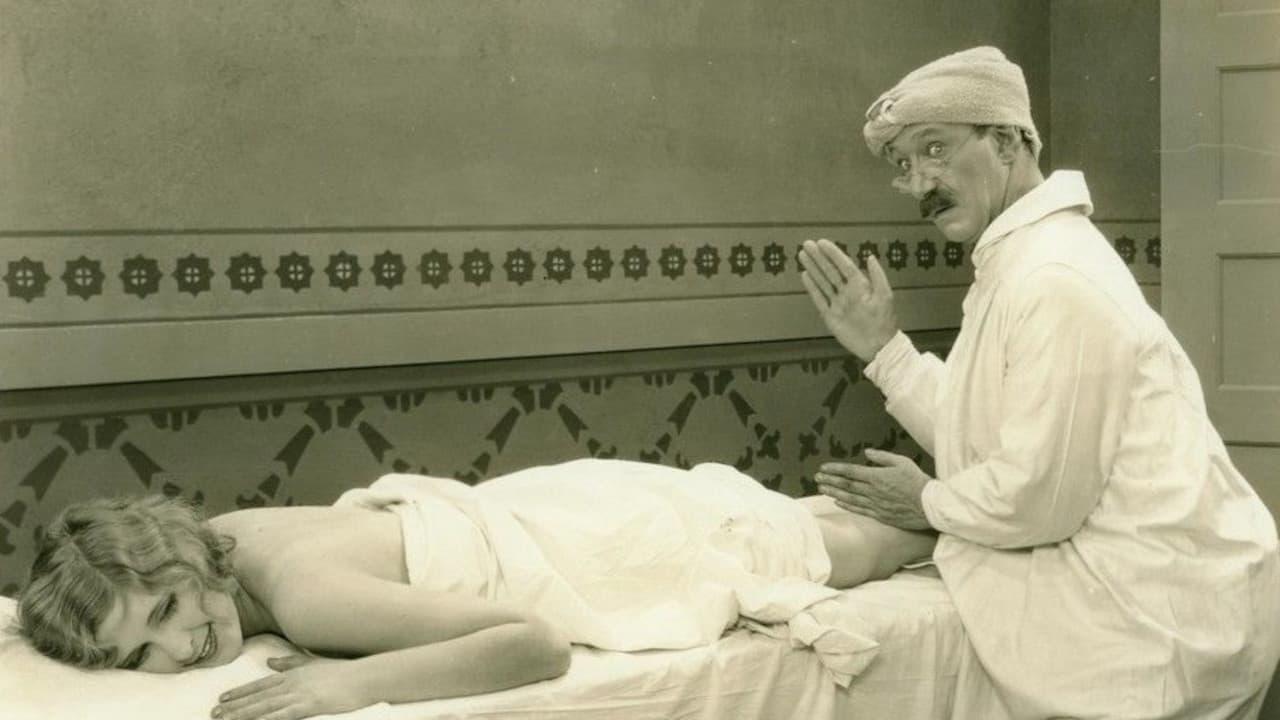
pixel 743 675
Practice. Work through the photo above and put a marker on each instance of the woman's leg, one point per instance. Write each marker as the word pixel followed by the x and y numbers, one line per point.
pixel 863 549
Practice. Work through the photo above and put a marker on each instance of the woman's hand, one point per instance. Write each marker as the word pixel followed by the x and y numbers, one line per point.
pixel 303 686
pixel 857 308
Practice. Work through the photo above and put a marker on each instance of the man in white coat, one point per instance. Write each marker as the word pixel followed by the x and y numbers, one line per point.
pixel 1106 558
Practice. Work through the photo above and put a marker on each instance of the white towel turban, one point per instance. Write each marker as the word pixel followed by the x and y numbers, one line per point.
pixel 978 86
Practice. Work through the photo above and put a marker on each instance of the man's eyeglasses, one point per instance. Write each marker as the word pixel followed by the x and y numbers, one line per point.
pixel 935 158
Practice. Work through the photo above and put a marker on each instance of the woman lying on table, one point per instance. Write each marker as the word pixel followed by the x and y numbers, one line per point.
pixel 420 588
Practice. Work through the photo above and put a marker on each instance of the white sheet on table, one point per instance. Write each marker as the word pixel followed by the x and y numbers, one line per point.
pixel 741 676
pixel 747 675
pixel 625 555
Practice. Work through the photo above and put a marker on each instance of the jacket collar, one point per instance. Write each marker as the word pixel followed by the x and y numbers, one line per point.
pixel 1064 189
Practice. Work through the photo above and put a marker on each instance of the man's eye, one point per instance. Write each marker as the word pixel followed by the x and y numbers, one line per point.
pixel 904 165
pixel 933 149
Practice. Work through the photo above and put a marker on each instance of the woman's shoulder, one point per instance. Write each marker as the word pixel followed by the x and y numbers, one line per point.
pixel 276 547
pixel 258 518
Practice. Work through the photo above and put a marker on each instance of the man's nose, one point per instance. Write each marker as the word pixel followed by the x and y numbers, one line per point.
pixel 916 184
pixel 921 184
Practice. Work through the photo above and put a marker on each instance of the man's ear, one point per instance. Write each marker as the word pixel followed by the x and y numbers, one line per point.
pixel 1008 142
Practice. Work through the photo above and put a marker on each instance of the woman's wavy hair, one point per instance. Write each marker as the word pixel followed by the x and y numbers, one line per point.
pixel 95 550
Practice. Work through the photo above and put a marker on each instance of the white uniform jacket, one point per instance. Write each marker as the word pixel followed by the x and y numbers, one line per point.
pixel 1105 556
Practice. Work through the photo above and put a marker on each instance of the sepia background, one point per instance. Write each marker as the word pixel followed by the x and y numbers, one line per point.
pixel 259 253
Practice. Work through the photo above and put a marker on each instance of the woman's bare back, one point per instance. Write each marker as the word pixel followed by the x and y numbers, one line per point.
pixel 332 580
pixel 279 546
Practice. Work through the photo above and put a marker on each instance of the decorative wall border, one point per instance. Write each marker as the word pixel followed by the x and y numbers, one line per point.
pixel 64 280
pixel 90 279
pixel 287 295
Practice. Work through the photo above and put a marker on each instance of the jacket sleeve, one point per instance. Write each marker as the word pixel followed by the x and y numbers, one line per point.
pixel 910 381
pixel 1070 363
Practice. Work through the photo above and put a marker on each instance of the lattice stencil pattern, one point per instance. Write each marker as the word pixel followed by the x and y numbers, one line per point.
pixel 775 422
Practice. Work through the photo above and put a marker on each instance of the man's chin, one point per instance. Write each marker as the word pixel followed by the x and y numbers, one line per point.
pixel 955 228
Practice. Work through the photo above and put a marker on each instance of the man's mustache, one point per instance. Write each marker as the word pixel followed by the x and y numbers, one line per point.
pixel 933 202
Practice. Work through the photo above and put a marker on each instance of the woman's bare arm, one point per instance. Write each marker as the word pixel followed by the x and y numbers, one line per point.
pixel 410 644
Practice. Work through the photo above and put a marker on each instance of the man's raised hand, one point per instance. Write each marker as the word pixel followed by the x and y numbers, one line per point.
pixel 856 307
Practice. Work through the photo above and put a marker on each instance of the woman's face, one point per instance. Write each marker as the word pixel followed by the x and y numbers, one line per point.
pixel 173 631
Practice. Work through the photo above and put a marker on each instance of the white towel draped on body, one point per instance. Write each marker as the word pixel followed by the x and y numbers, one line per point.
pixel 625 555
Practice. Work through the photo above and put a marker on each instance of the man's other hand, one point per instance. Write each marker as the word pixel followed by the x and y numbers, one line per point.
pixel 888 491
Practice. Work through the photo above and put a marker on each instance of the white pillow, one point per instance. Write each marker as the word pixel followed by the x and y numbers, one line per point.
pixel 37 688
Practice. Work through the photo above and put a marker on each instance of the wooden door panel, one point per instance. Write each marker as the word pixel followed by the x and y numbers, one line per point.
pixel 1220 176
pixel 1250 311
pixel 1249 140
pixel 1259 463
